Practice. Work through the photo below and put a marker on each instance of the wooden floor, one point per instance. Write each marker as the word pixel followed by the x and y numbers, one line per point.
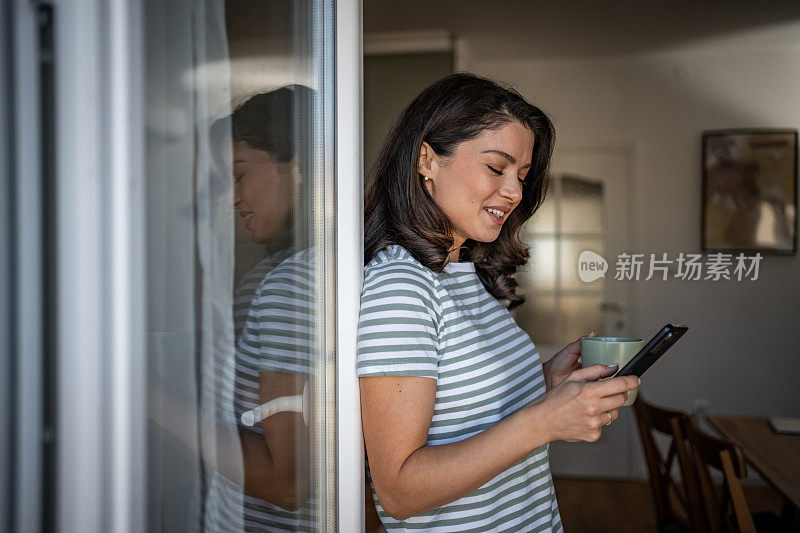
pixel 598 505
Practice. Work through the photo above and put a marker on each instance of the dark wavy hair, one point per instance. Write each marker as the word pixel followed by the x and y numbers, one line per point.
pixel 399 209
pixel 278 122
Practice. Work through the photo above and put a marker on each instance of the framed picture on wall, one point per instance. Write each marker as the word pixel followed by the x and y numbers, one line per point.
pixel 750 191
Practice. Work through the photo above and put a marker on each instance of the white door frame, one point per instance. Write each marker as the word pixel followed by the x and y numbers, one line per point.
pixel 349 263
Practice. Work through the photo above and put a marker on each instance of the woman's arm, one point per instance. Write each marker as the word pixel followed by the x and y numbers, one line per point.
pixel 411 477
pixel 276 464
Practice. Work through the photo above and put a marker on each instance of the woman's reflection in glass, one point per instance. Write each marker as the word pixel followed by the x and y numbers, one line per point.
pixel 273 308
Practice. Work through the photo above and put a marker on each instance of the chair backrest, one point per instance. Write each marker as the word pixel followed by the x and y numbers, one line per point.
pixel 675 502
pixel 726 509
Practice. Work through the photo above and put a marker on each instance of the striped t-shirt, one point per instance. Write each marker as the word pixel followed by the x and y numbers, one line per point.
pixel 415 322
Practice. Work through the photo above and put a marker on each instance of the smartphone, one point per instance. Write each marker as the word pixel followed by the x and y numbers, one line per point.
pixel 654 349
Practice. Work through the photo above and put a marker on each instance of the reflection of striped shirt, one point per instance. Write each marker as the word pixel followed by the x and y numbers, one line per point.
pixel 274 318
pixel 275 329
pixel 447 327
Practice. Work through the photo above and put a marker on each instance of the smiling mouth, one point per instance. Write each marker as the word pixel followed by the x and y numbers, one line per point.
pixel 497 216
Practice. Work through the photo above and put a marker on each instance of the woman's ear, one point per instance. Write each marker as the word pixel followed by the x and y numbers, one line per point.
pixel 425 163
pixel 425 167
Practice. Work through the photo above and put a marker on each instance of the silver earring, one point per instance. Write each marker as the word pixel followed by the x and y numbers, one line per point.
pixel 426 178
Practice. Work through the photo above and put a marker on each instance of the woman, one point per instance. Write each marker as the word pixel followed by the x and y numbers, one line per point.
pixel 457 408
pixel 268 154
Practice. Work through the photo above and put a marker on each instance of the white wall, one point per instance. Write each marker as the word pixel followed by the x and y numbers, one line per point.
pixel 742 354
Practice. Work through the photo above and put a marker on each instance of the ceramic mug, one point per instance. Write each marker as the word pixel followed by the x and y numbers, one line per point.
pixel 610 350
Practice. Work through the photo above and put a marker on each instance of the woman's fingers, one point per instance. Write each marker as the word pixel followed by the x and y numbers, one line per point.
pixel 603 419
pixel 612 386
pixel 610 403
pixel 600 406
pixel 594 372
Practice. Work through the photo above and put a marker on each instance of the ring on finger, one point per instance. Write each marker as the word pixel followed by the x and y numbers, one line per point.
pixel 610 418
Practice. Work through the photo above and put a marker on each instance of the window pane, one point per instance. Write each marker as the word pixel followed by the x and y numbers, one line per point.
pixel 540 272
pixel 571 249
pixel 581 205
pixel 544 220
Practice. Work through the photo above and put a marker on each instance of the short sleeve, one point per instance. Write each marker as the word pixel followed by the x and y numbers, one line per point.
pixel 279 333
pixel 398 324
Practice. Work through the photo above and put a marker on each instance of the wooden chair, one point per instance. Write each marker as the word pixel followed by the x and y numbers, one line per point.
pixel 726 508
pixel 678 504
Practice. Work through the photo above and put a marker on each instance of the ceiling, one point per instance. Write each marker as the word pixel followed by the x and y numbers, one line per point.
pixel 581 27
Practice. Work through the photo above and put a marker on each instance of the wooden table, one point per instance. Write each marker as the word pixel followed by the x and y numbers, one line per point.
pixel 776 457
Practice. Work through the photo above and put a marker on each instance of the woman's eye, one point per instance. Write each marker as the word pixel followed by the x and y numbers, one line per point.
pixel 498 172
pixel 521 180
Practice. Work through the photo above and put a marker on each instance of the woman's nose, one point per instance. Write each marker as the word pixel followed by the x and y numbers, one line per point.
pixel 511 189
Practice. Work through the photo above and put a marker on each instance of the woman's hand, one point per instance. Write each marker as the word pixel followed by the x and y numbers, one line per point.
pixel 562 364
pixel 578 407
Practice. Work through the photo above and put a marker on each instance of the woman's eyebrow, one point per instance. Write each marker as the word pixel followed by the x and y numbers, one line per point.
pixel 509 157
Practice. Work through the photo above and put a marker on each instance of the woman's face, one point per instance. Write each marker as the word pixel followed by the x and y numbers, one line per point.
pixel 264 191
pixel 479 185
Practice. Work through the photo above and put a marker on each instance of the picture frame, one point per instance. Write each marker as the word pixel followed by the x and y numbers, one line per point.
pixel 749 201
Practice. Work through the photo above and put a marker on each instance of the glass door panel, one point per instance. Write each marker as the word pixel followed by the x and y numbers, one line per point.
pixel 240 304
